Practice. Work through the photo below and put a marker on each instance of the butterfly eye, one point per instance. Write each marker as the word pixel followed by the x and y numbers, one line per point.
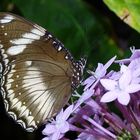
pixel 38 74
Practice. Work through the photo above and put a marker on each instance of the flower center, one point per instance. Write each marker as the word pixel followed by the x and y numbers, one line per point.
pixel 59 123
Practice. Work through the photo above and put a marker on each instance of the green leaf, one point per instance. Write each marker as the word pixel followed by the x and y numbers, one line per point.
pixel 127 10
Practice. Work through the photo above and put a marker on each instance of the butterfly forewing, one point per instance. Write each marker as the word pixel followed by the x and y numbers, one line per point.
pixel 36 71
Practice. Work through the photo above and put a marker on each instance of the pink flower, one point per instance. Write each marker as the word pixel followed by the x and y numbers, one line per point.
pixel 57 128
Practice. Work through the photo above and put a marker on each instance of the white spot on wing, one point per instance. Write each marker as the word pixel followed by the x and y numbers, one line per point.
pixel 13 70
pixel 1 46
pixel 66 57
pixel 9 17
pixel 10 75
pixel 37 32
pixel 4 56
pixel 8 86
pixel 5 20
pixel 50 36
pixel 21 41
pixel 78 78
pixel 17 104
pixel 28 63
pixel 59 48
pixel 37 82
pixel 14 50
pixel 54 43
pixel 10 80
pixel 10 91
pixel 2 50
pixel 31 35
pixel 48 104
pixel 11 96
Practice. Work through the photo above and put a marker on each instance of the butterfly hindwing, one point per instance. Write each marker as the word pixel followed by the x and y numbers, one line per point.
pixel 36 71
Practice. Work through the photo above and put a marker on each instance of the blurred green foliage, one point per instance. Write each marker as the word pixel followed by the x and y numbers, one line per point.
pixel 81 30
pixel 127 10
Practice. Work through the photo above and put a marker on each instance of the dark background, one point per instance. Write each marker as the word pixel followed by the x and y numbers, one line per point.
pixel 85 27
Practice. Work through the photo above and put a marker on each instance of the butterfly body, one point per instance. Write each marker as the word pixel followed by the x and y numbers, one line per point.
pixel 37 73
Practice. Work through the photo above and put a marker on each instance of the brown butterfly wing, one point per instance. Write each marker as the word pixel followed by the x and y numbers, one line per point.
pixel 36 71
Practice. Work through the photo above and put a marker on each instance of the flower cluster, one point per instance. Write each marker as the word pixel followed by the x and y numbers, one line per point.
pixel 109 107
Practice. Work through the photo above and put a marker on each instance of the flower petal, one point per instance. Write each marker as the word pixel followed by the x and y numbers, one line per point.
pixel 123 61
pixel 67 112
pixel 125 79
pixel 124 98
pixel 135 54
pixel 107 65
pixel 133 88
pixel 86 136
pixel 59 115
pixel 65 128
pixel 100 71
pixel 99 67
pixel 109 96
pixel 86 95
pixel 115 76
pixel 56 136
pixel 49 129
pixel 136 73
pixel 134 64
pixel 88 82
pixel 123 68
pixel 108 84
pixel 46 138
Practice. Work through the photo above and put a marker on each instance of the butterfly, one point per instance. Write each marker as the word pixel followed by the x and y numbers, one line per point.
pixel 38 74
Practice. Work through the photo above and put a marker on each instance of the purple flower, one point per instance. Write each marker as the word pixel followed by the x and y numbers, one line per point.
pixel 120 89
pixel 57 128
pixel 98 74
pixel 86 136
pixel 90 119
pixel 135 55
pixel 85 96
